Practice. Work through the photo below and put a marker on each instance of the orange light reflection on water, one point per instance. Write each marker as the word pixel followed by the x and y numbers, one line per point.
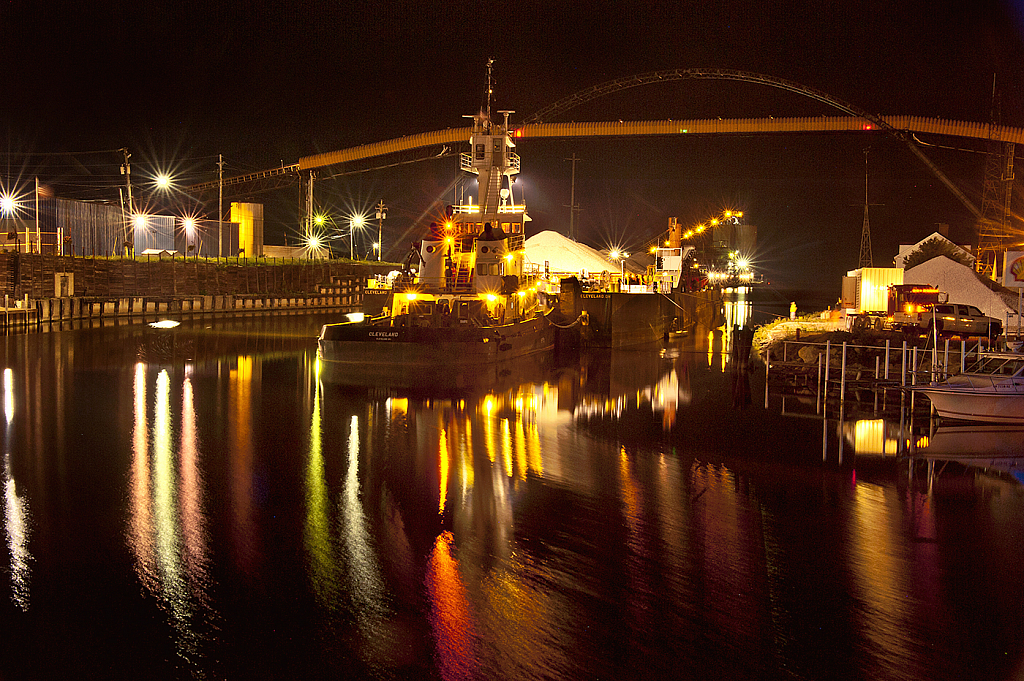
pixel 444 457
pixel 451 620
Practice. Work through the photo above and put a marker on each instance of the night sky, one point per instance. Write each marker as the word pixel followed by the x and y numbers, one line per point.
pixel 180 82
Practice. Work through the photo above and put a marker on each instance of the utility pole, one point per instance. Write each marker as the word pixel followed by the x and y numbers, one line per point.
pixel 220 205
pixel 129 226
pixel 382 212
pixel 572 197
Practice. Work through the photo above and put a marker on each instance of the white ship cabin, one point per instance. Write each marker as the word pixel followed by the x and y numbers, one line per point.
pixel 480 246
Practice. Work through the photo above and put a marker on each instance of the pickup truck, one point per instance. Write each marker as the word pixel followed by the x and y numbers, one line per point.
pixel 950 319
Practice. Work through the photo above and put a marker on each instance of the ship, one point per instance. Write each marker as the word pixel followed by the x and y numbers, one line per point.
pixel 470 307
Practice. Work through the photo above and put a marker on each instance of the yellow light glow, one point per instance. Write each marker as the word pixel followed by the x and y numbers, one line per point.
pixel 411 296
pixel 509 257
pixel 491 297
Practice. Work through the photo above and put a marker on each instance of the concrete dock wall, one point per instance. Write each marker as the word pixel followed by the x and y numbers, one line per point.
pixel 73 308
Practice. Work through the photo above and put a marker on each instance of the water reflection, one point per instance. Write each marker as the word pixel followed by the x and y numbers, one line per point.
pixel 243 379
pixel 167 529
pixel 16 510
pixel 617 516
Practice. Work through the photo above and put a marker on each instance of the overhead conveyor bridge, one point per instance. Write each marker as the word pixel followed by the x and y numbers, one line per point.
pixel 713 126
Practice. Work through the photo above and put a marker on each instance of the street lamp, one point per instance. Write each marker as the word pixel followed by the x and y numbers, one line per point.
pixel 7 208
pixel 382 212
pixel 621 257
pixel 191 240
pixel 357 222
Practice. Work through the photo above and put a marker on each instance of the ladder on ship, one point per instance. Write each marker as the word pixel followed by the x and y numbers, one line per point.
pixel 463 279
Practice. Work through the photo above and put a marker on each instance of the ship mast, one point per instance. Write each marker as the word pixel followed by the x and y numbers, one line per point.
pixel 490 88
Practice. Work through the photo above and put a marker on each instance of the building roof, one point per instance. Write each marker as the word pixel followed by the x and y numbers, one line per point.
pixel 907 249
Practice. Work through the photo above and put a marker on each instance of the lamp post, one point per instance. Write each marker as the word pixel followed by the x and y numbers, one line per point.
pixel 357 221
pixel 621 257
pixel 7 207
pixel 189 224
pixel 382 212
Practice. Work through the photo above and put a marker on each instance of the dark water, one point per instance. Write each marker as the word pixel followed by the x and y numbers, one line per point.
pixel 197 502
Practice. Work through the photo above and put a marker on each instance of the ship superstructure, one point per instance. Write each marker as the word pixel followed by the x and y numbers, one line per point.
pixel 479 246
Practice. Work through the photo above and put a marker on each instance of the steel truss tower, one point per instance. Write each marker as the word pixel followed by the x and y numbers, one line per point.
pixel 865 233
pixel 994 234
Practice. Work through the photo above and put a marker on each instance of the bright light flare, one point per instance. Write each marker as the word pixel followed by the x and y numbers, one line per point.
pixel 7 205
pixel 163 181
pixel 139 220
pixel 358 221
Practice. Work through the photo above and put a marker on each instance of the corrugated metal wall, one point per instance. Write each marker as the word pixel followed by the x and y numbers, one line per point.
pixel 156 233
pixel 86 228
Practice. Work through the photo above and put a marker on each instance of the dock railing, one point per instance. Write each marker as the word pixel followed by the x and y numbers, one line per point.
pixel 843 366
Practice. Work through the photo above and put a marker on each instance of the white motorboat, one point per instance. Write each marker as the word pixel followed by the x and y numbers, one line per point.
pixel 992 391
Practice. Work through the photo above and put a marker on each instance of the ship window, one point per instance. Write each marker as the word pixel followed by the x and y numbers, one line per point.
pixel 484 269
pixel 480 151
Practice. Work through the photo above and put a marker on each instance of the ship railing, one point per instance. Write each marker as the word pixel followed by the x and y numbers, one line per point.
pixel 512 162
pixel 502 209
